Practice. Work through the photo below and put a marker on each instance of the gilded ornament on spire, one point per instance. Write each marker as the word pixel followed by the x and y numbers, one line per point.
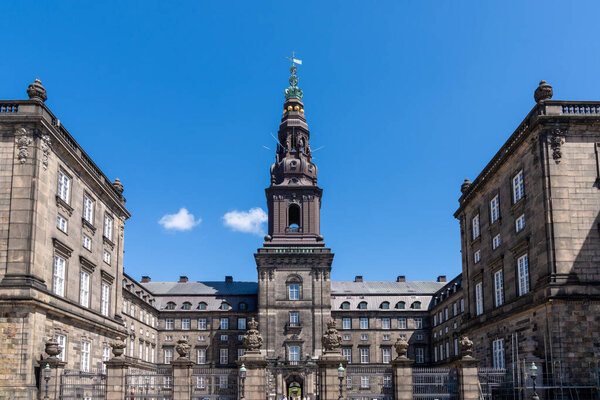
pixel 293 92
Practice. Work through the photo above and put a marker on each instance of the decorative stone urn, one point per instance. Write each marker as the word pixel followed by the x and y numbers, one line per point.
pixel 543 92
pixel 183 348
pixel 52 348
pixel 252 340
pixel 466 347
pixel 36 91
pixel 118 348
pixel 401 346
pixel 331 339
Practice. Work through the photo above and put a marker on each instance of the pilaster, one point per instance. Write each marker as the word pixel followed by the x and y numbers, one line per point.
pixel 182 378
pixel 116 371
pixel 329 386
pixel 255 383
pixel 402 378
pixel 468 379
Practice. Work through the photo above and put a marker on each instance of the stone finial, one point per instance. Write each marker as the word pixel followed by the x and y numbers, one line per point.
pixel 465 186
pixel 118 348
pixel 36 91
pixel 401 346
pixel 466 347
pixel 118 186
pixel 543 92
pixel 332 340
pixel 52 348
pixel 183 348
pixel 252 339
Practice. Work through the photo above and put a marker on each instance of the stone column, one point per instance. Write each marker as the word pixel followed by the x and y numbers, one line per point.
pixel 116 371
pixel 255 384
pixel 402 372
pixel 182 372
pixel 328 375
pixel 468 378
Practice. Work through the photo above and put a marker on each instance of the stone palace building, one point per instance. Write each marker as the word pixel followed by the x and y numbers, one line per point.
pixel 529 288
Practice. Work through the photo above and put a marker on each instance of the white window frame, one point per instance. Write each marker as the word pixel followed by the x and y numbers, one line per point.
pixel 364 323
pixel 479 298
pixel 84 289
pixel 64 186
pixel 201 324
pixel 498 354
pixel 223 356
pixel 85 356
pixel 108 226
pixel 401 323
pixel 186 324
pixel 224 323
pixel 475 229
pixel 346 323
pixel 105 299
pixel 200 382
pixel 386 354
pixel 62 344
pixel 106 256
pixel 294 353
pixel 61 223
pixel 518 187
pixel 418 323
pixel 520 223
pixel 498 288
pixel 476 256
pixel 494 209
pixel 88 209
pixel 294 291
pixel 347 353
pixel 169 324
pixel 386 323
pixel 419 355
pixel 168 356
pixel 294 318
pixel 86 242
pixel 496 242
pixel 58 276
pixel 365 382
pixel 201 356
pixel 364 355
pixel 241 322
pixel 152 355
pixel 455 347
pixel 523 273
pixel 105 357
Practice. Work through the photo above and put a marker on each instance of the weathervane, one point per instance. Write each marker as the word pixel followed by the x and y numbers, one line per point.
pixel 293 92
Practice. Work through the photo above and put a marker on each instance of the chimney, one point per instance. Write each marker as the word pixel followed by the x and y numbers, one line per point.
pixel 228 279
pixel 401 278
pixel 145 279
pixel 183 279
pixel 358 278
pixel 441 278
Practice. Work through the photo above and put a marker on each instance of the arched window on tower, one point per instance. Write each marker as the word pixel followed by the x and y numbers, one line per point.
pixel 294 218
pixel 294 287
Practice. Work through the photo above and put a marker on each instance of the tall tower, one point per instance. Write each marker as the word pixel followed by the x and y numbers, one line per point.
pixel 293 265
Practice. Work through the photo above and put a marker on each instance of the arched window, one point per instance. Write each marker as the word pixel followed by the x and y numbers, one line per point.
pixel 400 305
pixel 186 306
pixel 416 305
pixel 202 306
pixel 294 216
pixel 345 306
pixel 170 306
pixel 385 305
pixel 362 305
pixel 294 287
pixel 225 306
pixel 243 306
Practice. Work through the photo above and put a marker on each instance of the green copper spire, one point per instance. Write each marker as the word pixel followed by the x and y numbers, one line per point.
pixel 293 92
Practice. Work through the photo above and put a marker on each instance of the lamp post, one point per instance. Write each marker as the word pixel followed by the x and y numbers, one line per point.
pixel 341 378
pixel 47 373
pixel 243 377
pixel 533 370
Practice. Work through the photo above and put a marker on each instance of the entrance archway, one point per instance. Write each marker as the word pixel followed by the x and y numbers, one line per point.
pixel 294 386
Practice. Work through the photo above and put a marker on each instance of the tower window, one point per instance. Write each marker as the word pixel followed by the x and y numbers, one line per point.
pixel 294 216
pixel 294 287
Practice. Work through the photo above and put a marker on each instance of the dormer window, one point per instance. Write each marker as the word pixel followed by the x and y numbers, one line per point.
pixel 345 306
pixel 202 306
pixel 400 305
pixel 170 306
pixel 243 306
pixel 186 306
pixel 385 305
pixel 416 305
pixel 225 306
pixel 362 305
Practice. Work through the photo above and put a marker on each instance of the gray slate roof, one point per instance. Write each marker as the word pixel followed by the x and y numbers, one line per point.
pixel 202 288
pixel 385 287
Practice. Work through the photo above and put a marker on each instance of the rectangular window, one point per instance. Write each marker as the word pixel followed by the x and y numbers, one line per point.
pixel 498 353
pixel 152 355
pixel 455 347
pixel 87 242
pixel 147 348
pixel 294 319
pixel 518 191
pixel 364 336
pixel 418 323
pixel 294 353
pixel 520 223
pixel 462 305
pixel 419 336
pixel 141 352
pixel 447 349
pixel 64 186
pixel 364 323
pixel 58 279
pixel 201 356
pixel 108 226
pixel 499 288
pixel 62 345
pixel 347 353
pixel 347 337
pixel 294 291
pixel 223 382
pixel 494 209
pixel 241 353
pixel 224 323
pixel 476 256
pixel 364 355
pixel 169 324
pixel 387 381
pixel 168 338
pixel 523 265
pixel 364 382
pixel 84 289
pixel 61 223
pixel 386 355
pixel 105 299
pixel 224 338
pixel 435 354
pixel 168 356
pixel 242 323
pixel 200 382
pixel 106 256
pixel 496 242
pixel 419 355
pixel 385 323
pixel 446 314
pixel 88 209
pixel 201 324
pixel 475 226
pixel 346 323
pixel 454 309
pixel 223 356
pixel 479 298
pixel 105 357
pixel 434 319
pixel 185 324
pixel 85 356
pixel 401 323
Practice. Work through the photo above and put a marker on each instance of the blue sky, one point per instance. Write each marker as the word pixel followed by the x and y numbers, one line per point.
pixel 408 98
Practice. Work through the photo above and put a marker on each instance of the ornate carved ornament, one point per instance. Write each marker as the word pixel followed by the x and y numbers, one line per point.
pixel 45 140
pixel 23 140
pixel 183 348
pixel 62 248
pixel 252 340
pixel 401 347
pixel 556 141
pixel 466 347
pixel 118 348
pixel 332 340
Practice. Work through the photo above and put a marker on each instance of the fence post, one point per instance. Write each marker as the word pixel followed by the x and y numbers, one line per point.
pixel 468 379
pixel 50 377
pixel 255 387
pixel 116 370
pixel 402 372
pixel 182 372
pixel 328 375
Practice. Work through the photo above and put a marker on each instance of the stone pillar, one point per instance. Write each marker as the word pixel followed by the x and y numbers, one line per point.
pixel 329 386
pixel 55 371
pixel 116 371
pixel 468 378
pixel 402 372
pixel 255 384
pixel 182 378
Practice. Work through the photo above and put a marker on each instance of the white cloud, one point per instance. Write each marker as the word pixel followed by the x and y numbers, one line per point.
pixel 182 221
pixel 246 221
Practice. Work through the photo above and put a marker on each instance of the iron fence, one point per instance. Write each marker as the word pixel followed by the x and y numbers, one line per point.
pixel 369 382
pixel 82 385
pixel 155 384
pixel 435 383
pixel 210 383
